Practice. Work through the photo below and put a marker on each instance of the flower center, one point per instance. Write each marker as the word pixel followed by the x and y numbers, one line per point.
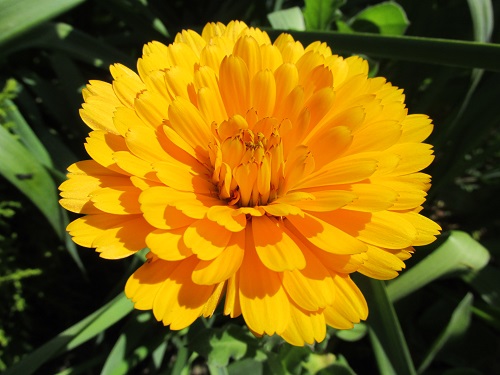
pixel 247 160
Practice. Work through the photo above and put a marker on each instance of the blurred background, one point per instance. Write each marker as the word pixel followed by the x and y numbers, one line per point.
pixel 447 303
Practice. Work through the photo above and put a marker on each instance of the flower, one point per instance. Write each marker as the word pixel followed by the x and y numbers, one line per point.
pixel 260 173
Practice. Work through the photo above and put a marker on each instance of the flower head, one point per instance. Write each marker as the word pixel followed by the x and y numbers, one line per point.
pixel 261 174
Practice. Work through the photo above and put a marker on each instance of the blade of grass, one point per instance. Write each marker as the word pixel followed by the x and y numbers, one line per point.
pixel 19 16
pixel 74 336
pixel 459 253
pixel 25 172
pixel 449 52
pixel 458 324
pixel 386 336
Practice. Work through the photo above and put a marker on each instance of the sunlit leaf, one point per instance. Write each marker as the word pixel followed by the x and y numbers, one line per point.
pixel 319 14
pixel 388 17
pixel 19 16
pixel 287 19
pixel 459 253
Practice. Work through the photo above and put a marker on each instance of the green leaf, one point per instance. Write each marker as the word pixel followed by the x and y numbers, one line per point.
pixel 389 18
pixel 354 334
pixel 486 283
pixel 457 326
pixel 24 171
pixel 247 366
pixel 86 329
pixel 27 137
pixel 138 339
pixel 76 44
pixel 319 14
pixel 459 253
pixel 287 19
pixel 220 345
pixel 386 336
pixel 482 19
pixel 407 48
pixel 19 16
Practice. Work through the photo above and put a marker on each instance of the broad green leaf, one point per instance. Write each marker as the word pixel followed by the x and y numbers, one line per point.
pixel 459 253
pixel 88 328
pixel 220 345
pixel 317 362
pixel 247 366
pixel 287 19
pixel 24 171
pixel 389 18
pixel 386 336
pixel 19 16
pixel 319 14
pixel 458 324
pixel 407 48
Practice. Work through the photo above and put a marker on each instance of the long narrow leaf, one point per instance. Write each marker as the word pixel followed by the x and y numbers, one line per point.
pixel 407 48
pixel 25 172
pixel 80 46
pixel 457 325
pixel 74 336
pixel 388 342
pixel 459 253
pixel 19 16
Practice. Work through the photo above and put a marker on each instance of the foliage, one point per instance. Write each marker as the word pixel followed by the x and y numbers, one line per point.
pixel 442 315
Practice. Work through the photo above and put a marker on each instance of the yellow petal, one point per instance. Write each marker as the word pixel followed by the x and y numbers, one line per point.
pixel 384 228
pixel 304 327
pixel 168 244
pixel 263 94
pixel 179 301
pixel 228 217
pixel 341 171
pixel 192 205
pixel 101 145
pixel 274 246
pixel 206 239
pixel 327 200
pixel 126 84
pixel 415 128
pixel 224 266
pixel 234 85
pixel 381 264
pixel 264 303
pixel 118 200
pixel 232 303
pixel 324 235
pixel 124 239
pixel 186 121
pixel 371 198
pixel 181 177
pixel 310 288
pixel 427 230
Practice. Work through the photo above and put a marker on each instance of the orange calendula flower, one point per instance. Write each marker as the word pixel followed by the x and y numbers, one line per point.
pixel 261 174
